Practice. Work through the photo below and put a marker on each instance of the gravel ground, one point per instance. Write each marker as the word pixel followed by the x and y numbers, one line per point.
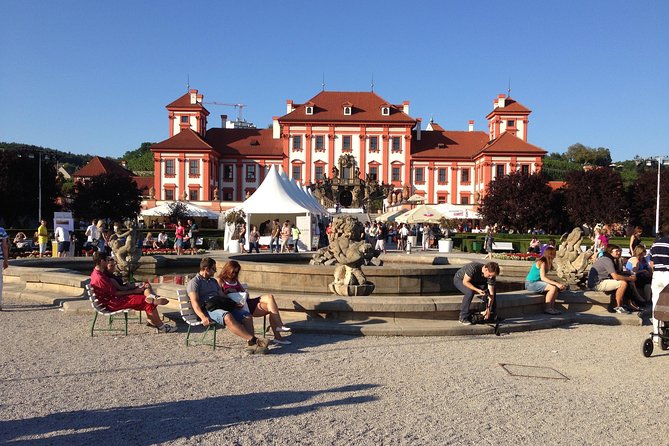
pixel 586 385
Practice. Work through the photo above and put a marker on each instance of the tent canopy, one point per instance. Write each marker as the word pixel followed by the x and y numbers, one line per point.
pixel 274 196
pixel 391 215
pixel 421 214
pixel 457 211
pixel 189 209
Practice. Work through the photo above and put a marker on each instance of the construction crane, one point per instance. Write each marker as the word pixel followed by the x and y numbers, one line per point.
pixel 239 106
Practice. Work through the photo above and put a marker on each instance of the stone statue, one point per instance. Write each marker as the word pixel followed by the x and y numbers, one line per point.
pixel 405 192
pixel 349 252
pixel 216 194
pixel 152 192
pixel 184 197
pixel 335 172
pixel 571 263
pixel 127 254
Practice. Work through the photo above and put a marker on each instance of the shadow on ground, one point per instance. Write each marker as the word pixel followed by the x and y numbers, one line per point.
pixel 158 423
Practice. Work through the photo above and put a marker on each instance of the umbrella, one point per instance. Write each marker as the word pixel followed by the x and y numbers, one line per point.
pixel 416 198
pixel 189 209
pixel 421 214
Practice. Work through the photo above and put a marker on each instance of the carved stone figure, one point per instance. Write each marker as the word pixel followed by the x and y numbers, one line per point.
pixel 216 194
pixel 127 254
pixel 152 192
pixel 349 252
pixel 570 262
pixel 405 192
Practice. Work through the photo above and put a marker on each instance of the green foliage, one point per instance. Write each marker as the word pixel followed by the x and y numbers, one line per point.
pixel 20 185
pixel 61 157
pixel 176 211
pixel 643 199
pixel 556 168
pixel 107 196
pixel 141 159
pixel 580 154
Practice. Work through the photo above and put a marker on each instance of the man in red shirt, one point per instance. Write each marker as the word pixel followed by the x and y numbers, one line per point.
pixel 116 300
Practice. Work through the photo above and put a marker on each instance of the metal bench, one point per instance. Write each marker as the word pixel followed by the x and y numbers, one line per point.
pixel 191 319
pixel 103 311
pixel 502 246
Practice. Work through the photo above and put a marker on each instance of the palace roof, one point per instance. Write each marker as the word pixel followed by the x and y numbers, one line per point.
pixel 328 106
pixel 246 142
pixel 508 143
pixel 447 144
pixel 186 139
pixel 98 166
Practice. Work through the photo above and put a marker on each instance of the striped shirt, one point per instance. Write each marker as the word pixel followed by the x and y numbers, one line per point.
pixel 659 254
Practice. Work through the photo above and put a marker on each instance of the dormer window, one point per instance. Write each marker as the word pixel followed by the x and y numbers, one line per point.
pixel 385 111
pixel 347 110
pixel 309 110
pixel 511 123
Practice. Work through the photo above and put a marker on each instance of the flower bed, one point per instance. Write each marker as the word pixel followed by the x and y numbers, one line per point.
pixel 530 257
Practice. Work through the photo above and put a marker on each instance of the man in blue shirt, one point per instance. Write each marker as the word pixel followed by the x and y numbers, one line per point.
pixel 4 256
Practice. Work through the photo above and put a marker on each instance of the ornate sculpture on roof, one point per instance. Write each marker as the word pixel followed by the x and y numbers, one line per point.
pixel 216 194
pixel 349 252
pixel 571 263
pixel 152 192
pixel 406 192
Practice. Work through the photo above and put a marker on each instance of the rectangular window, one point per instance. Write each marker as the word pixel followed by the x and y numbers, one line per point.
pixel 228 172
pixel 193 194
pixel 194 168
pixel 441 199
pixel 511 123
pixel 319 172
pixel 169 167
pixel 184 119
pixel 525 169
pixel 227 194
pixel 373 173
pixel 250 172
pixel 464 200
pixel 297 142
pixel 396 174
pixel 320 142
pixel 442 175
pixel 169 194
pixel 499 170
pixel 297 172
pixel 346 142
pixel 418 175
pixel 464 177
pixel 373 143
pixel 396 144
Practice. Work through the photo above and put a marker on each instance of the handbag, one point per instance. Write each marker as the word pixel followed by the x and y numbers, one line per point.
pixel 220 303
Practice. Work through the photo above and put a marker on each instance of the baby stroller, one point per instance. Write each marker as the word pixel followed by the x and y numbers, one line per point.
pixel 493 320
pixel 661 313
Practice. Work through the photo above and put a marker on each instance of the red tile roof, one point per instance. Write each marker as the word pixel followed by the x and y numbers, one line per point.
pixel 447 144
pixel 329 107
pixel 245 142
pixel 186 139
pixel 511 106
pixel 144 184
pixel 98 166
pixel 184 102
pixel 507 143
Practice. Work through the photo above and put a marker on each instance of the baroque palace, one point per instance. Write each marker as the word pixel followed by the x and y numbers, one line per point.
pixel 345 145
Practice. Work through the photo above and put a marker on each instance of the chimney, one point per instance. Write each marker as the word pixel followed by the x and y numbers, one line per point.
pixel 224 121
pixel 418 123
pixel 289 106
pixel 471 125
pixel 193 97
pixel 405 107
pixel 276 128
pixel 501 100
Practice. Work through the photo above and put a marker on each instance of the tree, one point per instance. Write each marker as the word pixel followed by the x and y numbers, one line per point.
pixel 518 201
pixel 107 196
pixel 595 196
pixel 643 199
pixel 176 211
pixel 580 154
pixel 141 159
pixel 20 185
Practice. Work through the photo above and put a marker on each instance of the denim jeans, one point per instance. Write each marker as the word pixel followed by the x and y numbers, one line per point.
pixel 468 297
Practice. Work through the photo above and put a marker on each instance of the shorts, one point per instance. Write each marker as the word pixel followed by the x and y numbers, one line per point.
pixel 536 286
pixel 179 243
pixel 608 285
pixel 42 248
pixel 63 246
pixel 219 315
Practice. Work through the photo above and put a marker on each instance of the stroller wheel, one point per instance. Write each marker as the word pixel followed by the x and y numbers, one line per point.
pixel 647 348
pixel 664 344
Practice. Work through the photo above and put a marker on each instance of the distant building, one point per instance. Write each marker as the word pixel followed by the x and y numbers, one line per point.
pixel 98 166
pixel 351 135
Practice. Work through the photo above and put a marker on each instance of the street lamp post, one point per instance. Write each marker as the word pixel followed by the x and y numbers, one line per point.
pixel 660 161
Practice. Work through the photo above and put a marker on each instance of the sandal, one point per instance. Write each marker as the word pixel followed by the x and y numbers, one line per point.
pixel 552 311
pixel 155 300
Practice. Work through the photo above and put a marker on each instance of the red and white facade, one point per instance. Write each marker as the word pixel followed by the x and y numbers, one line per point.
pixel 219 167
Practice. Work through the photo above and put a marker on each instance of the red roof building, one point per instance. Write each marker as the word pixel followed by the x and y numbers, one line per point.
pixel 99 166
pixel 312 138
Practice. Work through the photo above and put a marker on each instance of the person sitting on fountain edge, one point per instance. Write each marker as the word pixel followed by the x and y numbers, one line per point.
pixel 204 288
pixel 115 300
pixel 470 280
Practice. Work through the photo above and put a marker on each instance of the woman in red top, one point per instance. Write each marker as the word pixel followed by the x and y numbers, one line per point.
pixel 260 306
pixel 180 233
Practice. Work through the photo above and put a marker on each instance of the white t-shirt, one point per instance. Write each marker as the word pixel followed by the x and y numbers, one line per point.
pixel 92 233
pixel 62 235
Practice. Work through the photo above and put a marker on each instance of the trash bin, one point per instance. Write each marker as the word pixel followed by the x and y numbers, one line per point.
pixel 477 246
pixel 445 245
pixel 54 248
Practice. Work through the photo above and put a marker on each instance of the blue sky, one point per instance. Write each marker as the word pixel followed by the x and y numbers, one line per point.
pixel 94 77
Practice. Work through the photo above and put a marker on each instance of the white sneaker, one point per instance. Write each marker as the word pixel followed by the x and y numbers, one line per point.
pixel 621 310
pixel 281 341
pixel 283 329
